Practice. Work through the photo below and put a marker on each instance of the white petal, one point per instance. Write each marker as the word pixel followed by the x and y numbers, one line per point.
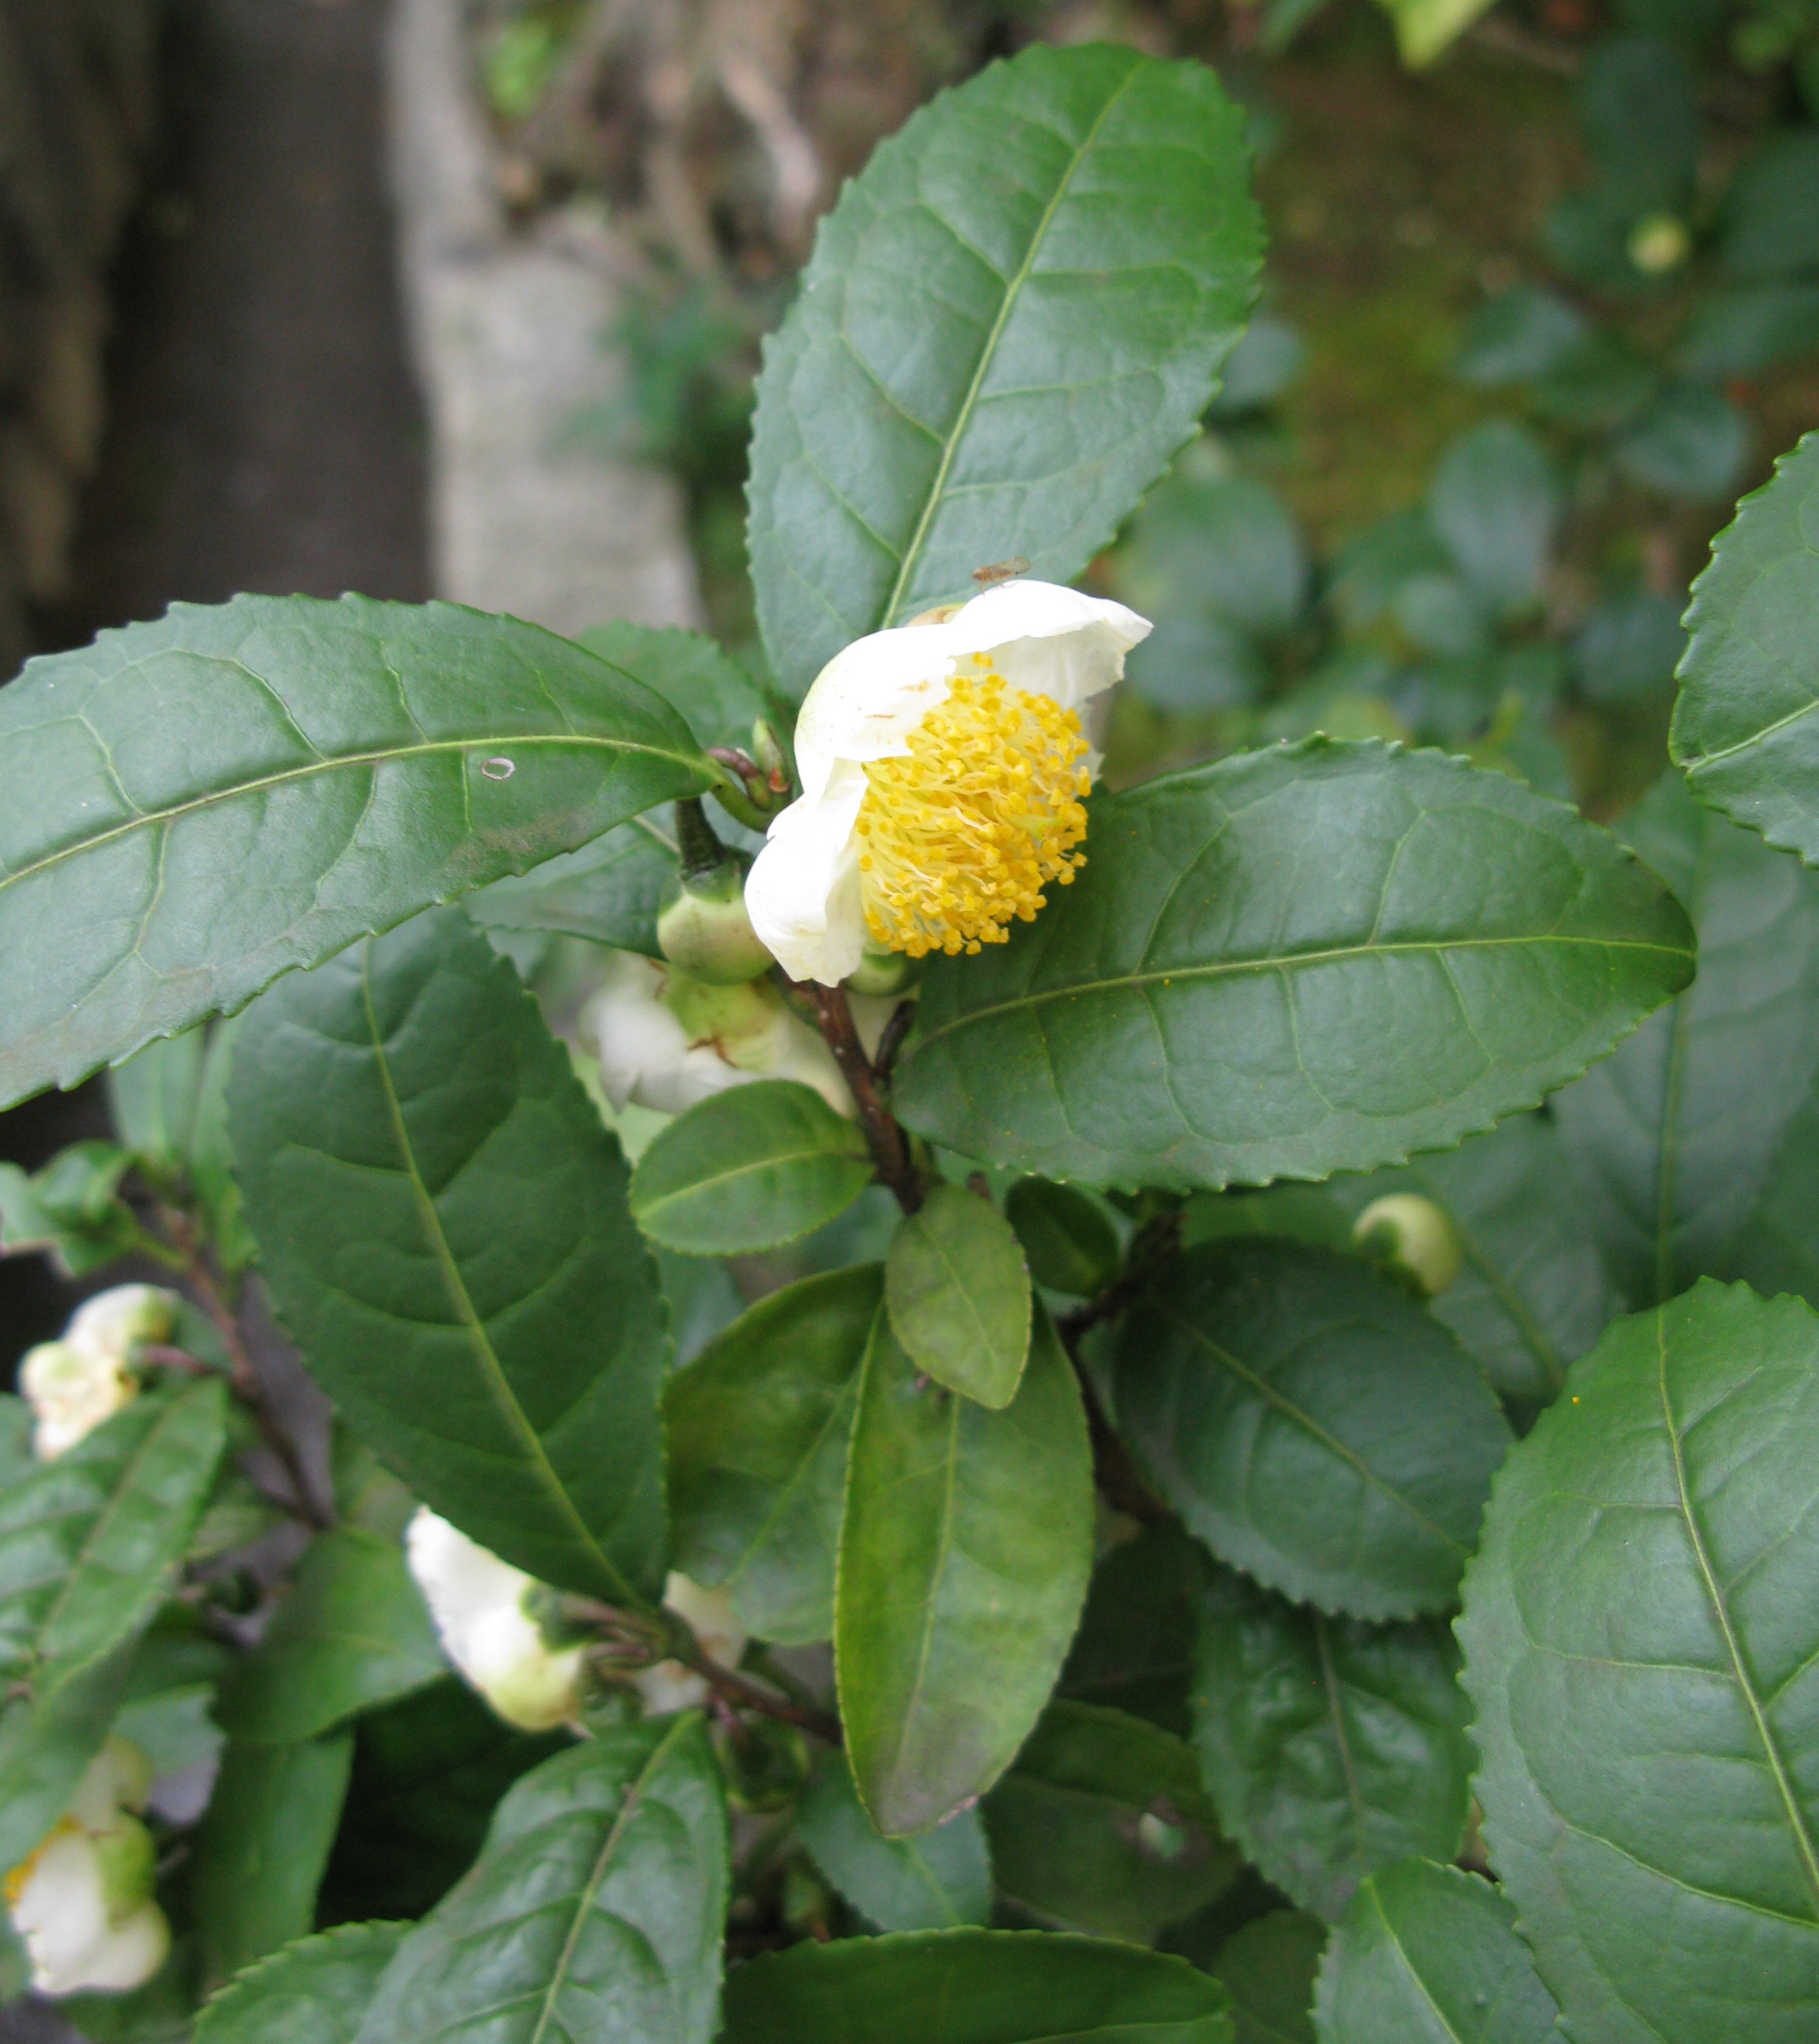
pixel 105 1327
pixel 1050 641
pixel 128 1953
pixel 61 1912
pixel 802 892
pixel 638 1041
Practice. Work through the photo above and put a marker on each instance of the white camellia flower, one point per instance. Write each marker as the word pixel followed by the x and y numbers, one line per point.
pixel 480 1605
pixel 942 766
pixel 669 1686
pixel 666 1041
pixel 75 1383
pixel 82 1902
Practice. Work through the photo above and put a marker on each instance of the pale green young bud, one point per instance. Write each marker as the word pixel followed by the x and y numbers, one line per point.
pixel 1659 243
pixel 1412 1235
pixel 703 930
pixel 883 975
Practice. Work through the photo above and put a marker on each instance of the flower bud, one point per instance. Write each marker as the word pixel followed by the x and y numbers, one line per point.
pixel 1659 243
pixel 884 974
pixel 669 1686
pixel 703 929
pixel 83 1901
pixel 74 1384
pixel 485 1612
pixel 1411 1235
pixel 115 1322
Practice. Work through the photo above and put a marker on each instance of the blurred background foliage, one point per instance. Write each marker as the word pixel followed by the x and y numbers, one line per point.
pixel 1542 299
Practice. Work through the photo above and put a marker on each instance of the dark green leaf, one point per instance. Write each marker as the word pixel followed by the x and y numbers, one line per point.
pixel 1066 1236
pixel 259 1857
pixel 236 791
pixel 932 1883
pixel 1628 648
pixel 1519 334
pixel 1428 1955
pixel 211 1161
pixel 46 1744
pixel 152 1097
pixel 444 1228
pixel 72 1209
pixel 609 891
pixel 1493 501
pixel 1642 1648
pixel 759 1426
pixel 959 1295
pixel 1268 1969
pixel 1532 1296
pixel 1744 727
pixel 1012 321
pixel 964 1557
pixel 1771 226
pixel 428 1771
pixel 1692 442
pixel 316 1991
pixel 1311 1423
pixel 1741 333
pixel 1314 959
pixel 750 1168
pixel 974 1987
pixel 90 1544
pixel 595 1912
pixel 1135 1646
pixel 1678 1137
pixel 1101 1825
pixel 352 1632
pixel 17 1422
pixel 715 696
pixel 1330 1748
pixel 1641 121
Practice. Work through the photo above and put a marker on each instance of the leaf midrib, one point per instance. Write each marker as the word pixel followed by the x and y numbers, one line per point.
pixel 1409 1963
pixel 1804 1848
pixel 958 1288
pixel 969 404
pixel 772 1160
pixel 1667 1159
pixel 596 1873
pixel 151 819
pixel 492 1371
pixel 1292 961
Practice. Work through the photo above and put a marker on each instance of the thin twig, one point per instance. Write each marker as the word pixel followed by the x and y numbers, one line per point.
pixel 889 1147
pixel 890 1042
pixel 735 1689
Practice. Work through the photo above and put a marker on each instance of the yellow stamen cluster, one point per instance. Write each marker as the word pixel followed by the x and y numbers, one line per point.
pixel 964 834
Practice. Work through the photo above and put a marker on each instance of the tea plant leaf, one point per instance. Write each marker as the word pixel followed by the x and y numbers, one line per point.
pixel 1428 1955
pixel 957 1292
pixel 204 803
pixel 1677 1136
pixel 444 1228
pixel 964 1553
pixel 1317 958
pixel 1331 1748
pixel 935 1882
pixel 750 1168
pixel 1311 1423
pixel 1642 1650
pixel 596 1910
pixel 90 1544
pixel 1746 725
pixel 1101 1825
pixel 759 1425
pixel 974 1987
pixel 1011 322
pixel 1066 1236
pixel 351 1632
pixel 315 1992
pixel 1268 1969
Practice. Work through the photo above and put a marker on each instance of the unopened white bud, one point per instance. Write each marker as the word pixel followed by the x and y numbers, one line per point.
pixel 669 1686
pixel 115 1322
pixel 481 1608
pixel 1414 1235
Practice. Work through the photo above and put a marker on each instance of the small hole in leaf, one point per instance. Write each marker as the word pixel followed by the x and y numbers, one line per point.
pixel 497 769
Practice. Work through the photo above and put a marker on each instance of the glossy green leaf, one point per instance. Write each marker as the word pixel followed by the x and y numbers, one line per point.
pixel 1677 1137
pixel 607 892
pixel 595 1912
pixel 72 1209
pixel 964 1558
pixel 1268 1969
pixel 258 1858
pixel 152 1097
pixel 1531 1296
pixel 974 1987
pixel 46 1744
pixel 444 1228
pixel 1428 1955
pixel 1746 726
pixel 1493 502
pixel 1691 442
pixel 1311 1423
pixel 1330 1748
pixel 1642 1651
pixel 90 1544
pixel 428 1771
pixel 1135 1647
pixel 315 1992
pixel 1011 321
pixel 759 1425
pixel 1101 1825
pixel 958 1293
pixel 1317 958
pixel 750 1168
pixel 233 792
pixel 352 1632
pixel 935 1882
pixel 1068 1237
pixel 713 693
